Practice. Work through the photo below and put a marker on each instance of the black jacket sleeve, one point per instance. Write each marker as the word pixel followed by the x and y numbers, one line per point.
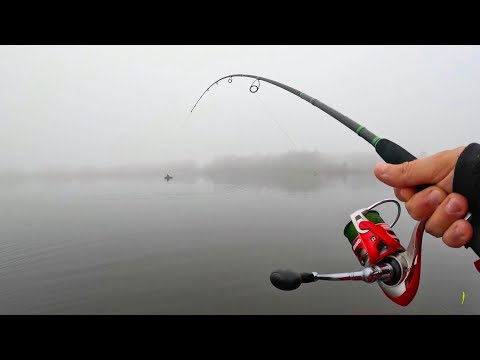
pixel 466 181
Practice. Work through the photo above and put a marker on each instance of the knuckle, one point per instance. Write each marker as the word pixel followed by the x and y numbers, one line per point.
pixel 398 194
pixel 461 200
pixel 413 211
pixel 450 240
pixel 456 206
pixel 432 230
pixel 406 169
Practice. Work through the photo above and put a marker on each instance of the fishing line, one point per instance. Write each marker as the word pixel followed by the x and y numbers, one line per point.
pixel 182 123
pixel 253 89
pixel 267 110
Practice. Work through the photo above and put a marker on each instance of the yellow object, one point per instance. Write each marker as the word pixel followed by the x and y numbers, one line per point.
pixel 463 297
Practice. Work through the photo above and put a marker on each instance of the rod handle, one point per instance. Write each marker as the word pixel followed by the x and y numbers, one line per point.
pixel 393 153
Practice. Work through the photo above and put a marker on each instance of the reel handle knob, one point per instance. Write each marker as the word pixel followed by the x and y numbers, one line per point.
pixel 287 280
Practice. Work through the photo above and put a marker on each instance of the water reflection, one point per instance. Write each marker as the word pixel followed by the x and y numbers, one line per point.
pixel 291 172
pixel 128 242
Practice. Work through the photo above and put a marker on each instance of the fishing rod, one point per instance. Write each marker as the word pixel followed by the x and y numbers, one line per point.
pixel 394 268
pixel 388 150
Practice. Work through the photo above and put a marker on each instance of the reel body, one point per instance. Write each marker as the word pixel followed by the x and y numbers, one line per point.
pixel 371 238
pixel 377 247
pixel 374 242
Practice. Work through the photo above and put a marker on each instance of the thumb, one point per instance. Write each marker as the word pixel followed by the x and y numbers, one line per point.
pixel 410 173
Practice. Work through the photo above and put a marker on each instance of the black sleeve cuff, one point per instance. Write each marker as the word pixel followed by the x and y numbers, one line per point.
pixel 466 179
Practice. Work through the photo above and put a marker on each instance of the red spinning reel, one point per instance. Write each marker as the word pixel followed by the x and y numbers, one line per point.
pixel 377 247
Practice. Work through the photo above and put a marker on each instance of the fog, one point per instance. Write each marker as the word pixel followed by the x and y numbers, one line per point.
pixel 103 106
pixel 90 225
pixel 292 171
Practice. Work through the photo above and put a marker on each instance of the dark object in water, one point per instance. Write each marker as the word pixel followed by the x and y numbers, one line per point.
pixel 168 178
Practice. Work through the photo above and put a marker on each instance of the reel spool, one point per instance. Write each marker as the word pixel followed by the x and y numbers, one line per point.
pixel 370 237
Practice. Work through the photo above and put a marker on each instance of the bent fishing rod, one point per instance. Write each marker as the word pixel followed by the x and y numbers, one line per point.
pixel 393 267
pixel 388 150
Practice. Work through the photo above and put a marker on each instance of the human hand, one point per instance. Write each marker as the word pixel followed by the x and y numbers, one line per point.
pixel 444 210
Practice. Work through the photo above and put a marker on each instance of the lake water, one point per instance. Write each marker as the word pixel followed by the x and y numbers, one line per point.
pixel 140 245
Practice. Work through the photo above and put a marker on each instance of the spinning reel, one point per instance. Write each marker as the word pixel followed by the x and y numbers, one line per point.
pixel 377 247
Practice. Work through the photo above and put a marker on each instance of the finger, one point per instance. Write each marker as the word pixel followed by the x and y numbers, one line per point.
pixel 423 204
pixel 404 194
pixel 459 234
pixel 447 182
pixel 428 170
pixel 453 208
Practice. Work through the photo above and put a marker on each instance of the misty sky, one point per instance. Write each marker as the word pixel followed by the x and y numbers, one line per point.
pixel 80 106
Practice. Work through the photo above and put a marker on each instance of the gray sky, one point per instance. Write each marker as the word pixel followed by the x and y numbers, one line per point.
pixel 78 106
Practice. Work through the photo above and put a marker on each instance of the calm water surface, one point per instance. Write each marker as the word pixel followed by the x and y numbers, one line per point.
pixel 198 246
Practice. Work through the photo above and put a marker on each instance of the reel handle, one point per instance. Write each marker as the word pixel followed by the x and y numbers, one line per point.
pixel 393 153
pixel 287 280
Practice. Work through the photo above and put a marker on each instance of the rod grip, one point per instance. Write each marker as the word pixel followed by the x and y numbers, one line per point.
pixel 393 153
